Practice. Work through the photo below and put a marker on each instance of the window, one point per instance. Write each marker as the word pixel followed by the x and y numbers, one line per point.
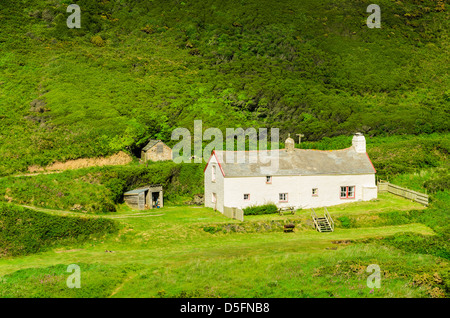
pixel 213 173
pixel 315 192
pixel 246 197
pixel 348 192
pixel 213 198
pixel 159 148
pixel 268 179
pixel 283 197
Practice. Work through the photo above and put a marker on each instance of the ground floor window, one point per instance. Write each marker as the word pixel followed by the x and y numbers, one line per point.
pixel 213 198
pixel 283 197
pixel 315 192
pixel 246 196
pixel 348 192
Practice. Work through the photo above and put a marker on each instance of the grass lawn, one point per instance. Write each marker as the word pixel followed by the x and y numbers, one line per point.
pixel 167 253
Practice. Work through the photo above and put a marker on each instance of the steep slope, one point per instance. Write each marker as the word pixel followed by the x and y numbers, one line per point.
pixel 138 69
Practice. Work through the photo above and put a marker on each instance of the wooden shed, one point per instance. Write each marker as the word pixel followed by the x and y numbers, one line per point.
pixel 145 198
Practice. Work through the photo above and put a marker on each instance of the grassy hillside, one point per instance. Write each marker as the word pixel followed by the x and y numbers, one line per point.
pixel 138 69
pixel 24 231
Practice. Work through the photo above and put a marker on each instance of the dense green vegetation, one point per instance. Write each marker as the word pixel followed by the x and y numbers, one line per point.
pixel 100 189
pixel 25 231
pixel 138 69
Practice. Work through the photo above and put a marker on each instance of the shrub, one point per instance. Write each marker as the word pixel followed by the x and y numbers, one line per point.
pixel 261 209
pixel 210 229
pixel 438 184
pixel 97 40
pixel 116 188
pixel 346 222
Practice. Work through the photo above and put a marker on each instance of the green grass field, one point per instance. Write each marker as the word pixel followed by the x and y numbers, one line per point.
pixel 167 253
pixel 137 70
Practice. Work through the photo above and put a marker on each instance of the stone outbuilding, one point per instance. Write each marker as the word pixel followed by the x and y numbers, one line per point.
pixel 156 150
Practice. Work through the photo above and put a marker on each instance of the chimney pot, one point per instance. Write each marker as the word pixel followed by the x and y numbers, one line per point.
pixel 359 143
pixel 289 144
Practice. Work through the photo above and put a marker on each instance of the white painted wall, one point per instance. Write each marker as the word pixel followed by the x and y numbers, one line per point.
pixel 214 187
pixel 299 189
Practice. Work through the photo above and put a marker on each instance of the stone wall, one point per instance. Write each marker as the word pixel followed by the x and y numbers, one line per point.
pixel 158 152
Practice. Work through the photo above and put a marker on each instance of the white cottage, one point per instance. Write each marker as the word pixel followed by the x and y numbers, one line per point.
pixel 303 178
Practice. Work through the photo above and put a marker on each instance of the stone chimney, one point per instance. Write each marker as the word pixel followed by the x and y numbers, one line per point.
pixel 289 144
pixel 359 143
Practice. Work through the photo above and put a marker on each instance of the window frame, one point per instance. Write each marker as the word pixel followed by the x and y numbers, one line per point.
pixel 287 197
pixel 315 194
pixel 347 188
pixel 213 173
pixel 248 196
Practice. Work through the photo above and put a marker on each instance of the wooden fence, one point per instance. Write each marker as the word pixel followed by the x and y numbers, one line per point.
pixel 384 186
pixel 234 213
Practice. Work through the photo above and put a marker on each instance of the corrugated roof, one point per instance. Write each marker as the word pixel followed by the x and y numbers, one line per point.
pixel 153 187
pixel 136 191
pixel 297 162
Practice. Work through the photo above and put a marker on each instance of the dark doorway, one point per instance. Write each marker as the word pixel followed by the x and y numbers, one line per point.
pixel 155 199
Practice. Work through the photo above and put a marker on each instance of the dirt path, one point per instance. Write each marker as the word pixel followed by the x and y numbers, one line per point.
pixel 119 216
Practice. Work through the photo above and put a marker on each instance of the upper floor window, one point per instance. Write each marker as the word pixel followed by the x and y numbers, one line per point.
pixel 268 179
pixel 315 192
pixel 347 192
pixel 213 173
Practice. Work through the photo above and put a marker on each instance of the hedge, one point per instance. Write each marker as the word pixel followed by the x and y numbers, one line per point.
pixel 24 231
pixel 261 209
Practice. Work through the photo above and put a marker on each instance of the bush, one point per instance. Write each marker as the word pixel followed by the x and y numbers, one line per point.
pixel 210 229
pixel 116 188
pixel 438 184
pixel 261 209
pixel 346 222
pixel 97 40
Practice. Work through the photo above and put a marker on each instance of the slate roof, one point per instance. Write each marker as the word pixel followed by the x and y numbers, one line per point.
pixel 150 144
pixel 298 162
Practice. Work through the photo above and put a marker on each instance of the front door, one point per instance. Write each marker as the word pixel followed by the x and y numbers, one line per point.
pixel 214 201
